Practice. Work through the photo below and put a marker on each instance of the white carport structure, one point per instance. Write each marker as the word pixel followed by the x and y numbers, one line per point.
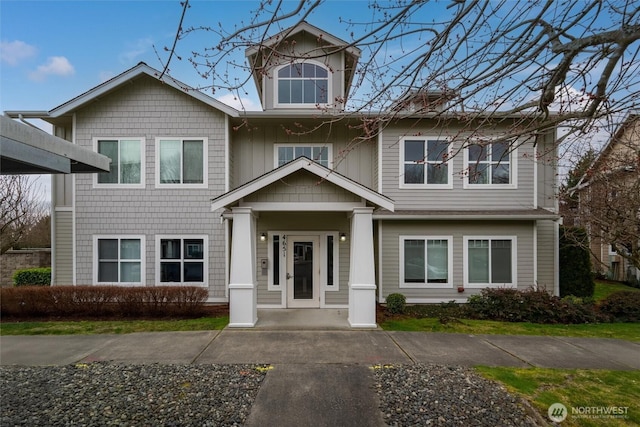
pixel 243 260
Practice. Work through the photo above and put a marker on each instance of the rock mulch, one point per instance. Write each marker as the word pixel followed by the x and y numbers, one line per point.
pixel 109 394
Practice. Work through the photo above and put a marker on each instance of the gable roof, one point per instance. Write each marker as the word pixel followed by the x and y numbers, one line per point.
pixel 123 78
pixel 252 53
pixel 302 163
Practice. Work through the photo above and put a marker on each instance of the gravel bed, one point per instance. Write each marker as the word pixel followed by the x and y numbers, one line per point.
pixel 105 394
pixel 110 394
pixel 433 395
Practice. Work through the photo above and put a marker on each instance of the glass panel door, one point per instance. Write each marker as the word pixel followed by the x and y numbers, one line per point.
pixel 303 271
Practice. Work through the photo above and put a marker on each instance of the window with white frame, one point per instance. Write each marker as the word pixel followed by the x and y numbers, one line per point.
pixel 424 162
pixel 118 260
pixel 426 261
pixel 127 161
pixel 303 83
pixel 490 261
pixel 182 260
pixel 181 162
pixel 284 153
pixel 490 164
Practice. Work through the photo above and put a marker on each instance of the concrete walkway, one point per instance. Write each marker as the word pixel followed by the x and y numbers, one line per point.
pixel 309 362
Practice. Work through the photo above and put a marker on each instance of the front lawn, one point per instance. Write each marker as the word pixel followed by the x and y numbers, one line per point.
pixel 590 396
pixel 604 288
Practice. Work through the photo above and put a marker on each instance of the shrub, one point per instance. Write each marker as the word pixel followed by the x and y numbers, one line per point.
pixel 536 306
pixel 396 303
pixel 32 277
pixel 622 306
pixel 576 277
pixel 102 301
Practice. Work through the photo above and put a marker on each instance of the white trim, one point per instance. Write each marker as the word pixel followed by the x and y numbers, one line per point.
pixel 205 162
pixel 182 237
pixel 227 256
pixel 324 259
pixel 74 236
pixel 307 105
pixel 379 266
pixel 513 172
pixel 314 301
pixel 119 237
pixel 514 262
pixel 302 206
pixel 227 153
pixel 536 163
pixel 143 154
pixel 426 285
pixel 379 189
pixel 327 146
pixel 535 254
pixel 271 287
pixel 401 174
pixel 294 166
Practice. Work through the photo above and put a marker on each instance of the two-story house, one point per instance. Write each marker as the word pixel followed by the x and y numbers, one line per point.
pixel 291 206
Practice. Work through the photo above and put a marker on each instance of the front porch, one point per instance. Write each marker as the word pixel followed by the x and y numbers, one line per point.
pixel 301 236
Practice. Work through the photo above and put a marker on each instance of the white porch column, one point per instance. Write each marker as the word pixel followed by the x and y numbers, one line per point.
pixel 362 279
pixel 243 294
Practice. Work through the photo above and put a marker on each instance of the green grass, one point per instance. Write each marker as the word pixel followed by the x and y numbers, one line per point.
pixel 111 326
pixel 604 289
pixel 574 388
pixel 626 331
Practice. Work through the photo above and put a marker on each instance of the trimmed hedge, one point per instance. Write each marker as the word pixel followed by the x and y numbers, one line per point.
pixel 102 301
pixel 396 303
pixel 32 277
pixel 623 306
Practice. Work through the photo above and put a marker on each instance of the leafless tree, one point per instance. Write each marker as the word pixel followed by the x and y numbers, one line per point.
pixel 551 63
pixel 21 208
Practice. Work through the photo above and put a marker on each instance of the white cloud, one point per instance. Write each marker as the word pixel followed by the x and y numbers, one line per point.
pixel 55 65
pixel 15 51
pixel 135 49
pixel 239 103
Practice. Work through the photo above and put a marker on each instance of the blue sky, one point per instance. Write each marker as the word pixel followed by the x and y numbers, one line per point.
pixel 53 51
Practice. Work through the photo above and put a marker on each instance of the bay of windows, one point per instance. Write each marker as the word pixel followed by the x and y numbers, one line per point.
pixel 126 167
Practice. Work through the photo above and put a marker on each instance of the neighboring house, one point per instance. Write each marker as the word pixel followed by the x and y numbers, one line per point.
pixel 268 209
pixel 609 204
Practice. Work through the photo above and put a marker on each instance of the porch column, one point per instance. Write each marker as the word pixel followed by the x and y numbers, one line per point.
pixel 362 279
pixel 243 294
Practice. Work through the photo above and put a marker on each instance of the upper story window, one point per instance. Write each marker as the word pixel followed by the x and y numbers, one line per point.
pixel 302 83
pixel 127 162
pixel 181 162
pixel 490 165
pixel 424 162
pixel 284 153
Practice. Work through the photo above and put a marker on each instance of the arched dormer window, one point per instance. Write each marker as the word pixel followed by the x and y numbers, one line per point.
pixel 302 83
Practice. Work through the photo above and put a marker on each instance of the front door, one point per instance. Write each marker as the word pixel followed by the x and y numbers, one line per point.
pixel 303 272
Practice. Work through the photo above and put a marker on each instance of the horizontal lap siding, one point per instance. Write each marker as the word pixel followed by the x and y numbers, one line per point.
pixel 149 109
pixel 547 242
pixel 390 252
pixel 458 197
pixel 63 248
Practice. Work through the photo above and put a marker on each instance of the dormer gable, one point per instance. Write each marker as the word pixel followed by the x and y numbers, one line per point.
pixel 303 67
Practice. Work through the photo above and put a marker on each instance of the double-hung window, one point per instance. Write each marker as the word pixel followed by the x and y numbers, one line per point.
pixel 182 260
pixel 118 260
pixel 303 83
pixel 181 162
pixel 490 261
pixel 284 153
pixel 490 164
pixel 426 261
pixel 424 163
pixel 127 162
